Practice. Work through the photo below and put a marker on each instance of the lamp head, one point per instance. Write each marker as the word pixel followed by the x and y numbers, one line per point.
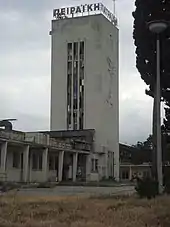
pixel 157 26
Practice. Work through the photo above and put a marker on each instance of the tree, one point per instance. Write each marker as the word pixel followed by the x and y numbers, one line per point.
pixel 143 152
pixel 146 48
pixel 145 42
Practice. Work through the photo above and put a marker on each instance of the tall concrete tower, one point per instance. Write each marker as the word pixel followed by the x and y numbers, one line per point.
pixel 84 78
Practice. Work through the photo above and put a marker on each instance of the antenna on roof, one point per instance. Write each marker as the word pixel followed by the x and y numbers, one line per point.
pixel 114 7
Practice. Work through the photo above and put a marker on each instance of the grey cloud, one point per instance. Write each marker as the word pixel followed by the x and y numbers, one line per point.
pixel 25 96
pixel 25 64
pixel 25 67
pixel 30 122
pixel 135 124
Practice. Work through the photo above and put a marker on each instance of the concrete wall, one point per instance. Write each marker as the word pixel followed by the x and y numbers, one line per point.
pixel 13 174
pixel 101 78
pixel 36 176
pixel 52 175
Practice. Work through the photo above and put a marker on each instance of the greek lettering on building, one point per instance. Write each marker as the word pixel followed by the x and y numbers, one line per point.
pixel 84 10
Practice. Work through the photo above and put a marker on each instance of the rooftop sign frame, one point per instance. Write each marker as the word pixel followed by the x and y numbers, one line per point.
pixel 84 10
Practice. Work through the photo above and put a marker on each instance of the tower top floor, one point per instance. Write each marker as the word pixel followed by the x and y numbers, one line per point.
pixel 84 10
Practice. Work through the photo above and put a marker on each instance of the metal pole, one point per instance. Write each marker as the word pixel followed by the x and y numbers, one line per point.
pixel 158 120
pixel 114 7
pixel 154 155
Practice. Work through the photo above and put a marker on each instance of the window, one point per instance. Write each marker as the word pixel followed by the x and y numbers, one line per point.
pixel 56 162
pixel 37 161
pixel 96 164
pixel 40 162
pixel 69 49
pixel 81 50
pixel 94 167
pixel 53 162
pixel 76 51
pixel 69 68
pixel 75 85
pixel 69 85
pixel 75 120
pixel 81 84
pixel 125 175
pixel 34 162
pixel 16 160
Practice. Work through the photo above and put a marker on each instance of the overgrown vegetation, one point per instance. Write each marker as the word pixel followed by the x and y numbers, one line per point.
pixel 84 212
pixel 147 188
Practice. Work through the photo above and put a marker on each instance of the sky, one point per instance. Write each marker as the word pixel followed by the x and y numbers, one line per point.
pixel 25 67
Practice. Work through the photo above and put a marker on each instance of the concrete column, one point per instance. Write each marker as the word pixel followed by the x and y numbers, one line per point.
pixel 26 162
pixel 88 167
pixel 116 162
pixel 3 156
pixel 130 173
pixel 44 164
pixel 106 165
pixel 75 157
pixel 60 166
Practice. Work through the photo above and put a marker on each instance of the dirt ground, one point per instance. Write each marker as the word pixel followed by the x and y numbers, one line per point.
pixel 17 211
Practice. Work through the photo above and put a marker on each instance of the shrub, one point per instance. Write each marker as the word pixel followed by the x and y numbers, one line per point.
pixel 167 187
pixel 147 188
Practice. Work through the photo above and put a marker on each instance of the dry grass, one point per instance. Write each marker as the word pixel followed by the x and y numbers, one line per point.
pixel 18 211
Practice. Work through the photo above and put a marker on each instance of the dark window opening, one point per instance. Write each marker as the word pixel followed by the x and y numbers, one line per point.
pixel 81 50
pixel 75 120
pixel 76 51
pixel 56 162
pixel 16 160
pixel 69 84
pixel 40 162
pixel 69 48
pixel 37 161
pixel 75 104
pixel 125 175
pixel 53 162
pixel 34 162
pixel 69 68
pixel 94 165
pixel 69 119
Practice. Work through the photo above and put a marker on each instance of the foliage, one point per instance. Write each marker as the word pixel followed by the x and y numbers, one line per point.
pixel 35 211
pixel 147 188
pixel 143 151
pixel 145 43
pixel 166 179
pixel 167 187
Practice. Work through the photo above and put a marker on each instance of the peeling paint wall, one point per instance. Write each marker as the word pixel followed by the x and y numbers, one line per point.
pixel 101 79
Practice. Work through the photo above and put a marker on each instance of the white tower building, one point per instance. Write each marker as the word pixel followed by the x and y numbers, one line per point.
pixel 84 79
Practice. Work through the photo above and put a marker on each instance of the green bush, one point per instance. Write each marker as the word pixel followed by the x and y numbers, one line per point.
pixel 167 187
pixel 147 188
pixel 166 179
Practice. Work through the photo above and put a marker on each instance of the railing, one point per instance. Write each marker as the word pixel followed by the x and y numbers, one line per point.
pixel 60 145
pixel 12 135
pixel 45 140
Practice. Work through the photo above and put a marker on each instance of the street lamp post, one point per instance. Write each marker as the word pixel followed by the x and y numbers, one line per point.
pixel 157 27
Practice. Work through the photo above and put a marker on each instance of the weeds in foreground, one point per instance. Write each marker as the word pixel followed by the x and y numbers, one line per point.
pixel 127 211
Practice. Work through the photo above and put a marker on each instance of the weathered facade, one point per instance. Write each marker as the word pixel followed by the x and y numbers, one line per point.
pixel 84 86
pixel 36 157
